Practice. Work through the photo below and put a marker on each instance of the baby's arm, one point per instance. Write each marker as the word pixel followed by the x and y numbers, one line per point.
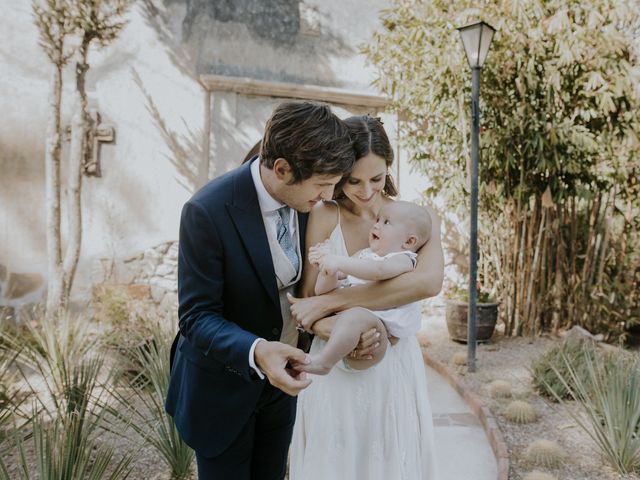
pixel 326 280
pixel 368 269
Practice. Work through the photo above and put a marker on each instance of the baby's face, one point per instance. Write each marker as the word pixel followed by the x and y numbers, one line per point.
pixel 389 233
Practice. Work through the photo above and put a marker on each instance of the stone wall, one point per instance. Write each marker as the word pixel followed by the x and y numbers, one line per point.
pixel 150 275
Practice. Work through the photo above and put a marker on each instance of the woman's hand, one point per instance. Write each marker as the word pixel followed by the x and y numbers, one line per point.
pixel 306 311
pixel 367 344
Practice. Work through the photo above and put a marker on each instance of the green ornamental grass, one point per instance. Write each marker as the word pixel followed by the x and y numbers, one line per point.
pixel 609 394
pixel 143 409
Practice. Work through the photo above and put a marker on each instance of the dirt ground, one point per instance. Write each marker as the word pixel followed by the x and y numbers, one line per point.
pixel 509 359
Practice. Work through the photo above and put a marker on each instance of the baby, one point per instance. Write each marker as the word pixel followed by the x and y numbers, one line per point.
pixel 400 230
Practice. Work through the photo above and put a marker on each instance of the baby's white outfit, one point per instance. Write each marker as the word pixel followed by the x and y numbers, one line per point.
pixel 402 321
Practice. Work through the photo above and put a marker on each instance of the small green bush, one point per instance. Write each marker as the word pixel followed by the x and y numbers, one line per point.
pixel 545 379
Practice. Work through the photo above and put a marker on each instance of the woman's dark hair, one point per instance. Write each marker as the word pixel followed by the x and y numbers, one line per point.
pixel 310 138
pixel 255 150
pixel 368 136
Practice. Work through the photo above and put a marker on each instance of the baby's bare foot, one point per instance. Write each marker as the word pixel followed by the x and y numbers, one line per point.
pixel 316 366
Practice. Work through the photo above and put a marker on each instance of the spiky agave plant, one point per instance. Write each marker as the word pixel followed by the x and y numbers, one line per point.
pixel 67 448
pixel 69 411
pixel 609 394
pixel 544 367
pixel 8 391
pixel 145 412
pixel 55 350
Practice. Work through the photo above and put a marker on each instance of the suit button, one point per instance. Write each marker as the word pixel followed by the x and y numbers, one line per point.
pixel 275 331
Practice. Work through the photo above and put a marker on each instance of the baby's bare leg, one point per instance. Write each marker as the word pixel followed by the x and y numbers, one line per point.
pixel 345 336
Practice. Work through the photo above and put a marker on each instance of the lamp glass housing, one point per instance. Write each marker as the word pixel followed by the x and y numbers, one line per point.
pixel 476 39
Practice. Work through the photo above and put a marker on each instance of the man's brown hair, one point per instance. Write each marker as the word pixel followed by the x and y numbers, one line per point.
pixel 310 138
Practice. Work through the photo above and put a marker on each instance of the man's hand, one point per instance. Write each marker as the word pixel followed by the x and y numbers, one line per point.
pixel 278 361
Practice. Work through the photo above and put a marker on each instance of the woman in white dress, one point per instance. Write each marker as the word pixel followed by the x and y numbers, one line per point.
pixel 372 424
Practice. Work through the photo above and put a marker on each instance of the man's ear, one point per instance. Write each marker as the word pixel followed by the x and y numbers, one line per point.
pixel 282 169
pixel 410 242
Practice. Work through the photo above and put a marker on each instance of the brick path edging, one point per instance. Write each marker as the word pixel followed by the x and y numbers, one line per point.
pixel 487 418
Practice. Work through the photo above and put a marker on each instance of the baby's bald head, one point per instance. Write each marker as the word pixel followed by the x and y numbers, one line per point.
pixel 416 219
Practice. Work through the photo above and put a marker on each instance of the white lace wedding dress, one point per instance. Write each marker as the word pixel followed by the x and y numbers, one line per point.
pixel 374 424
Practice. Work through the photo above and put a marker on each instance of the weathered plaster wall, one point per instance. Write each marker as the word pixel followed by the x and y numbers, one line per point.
pixel 311 41
pixel 147 86
pixel 154 102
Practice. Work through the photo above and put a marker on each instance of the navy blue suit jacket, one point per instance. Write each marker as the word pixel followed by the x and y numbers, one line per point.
pixel 228 297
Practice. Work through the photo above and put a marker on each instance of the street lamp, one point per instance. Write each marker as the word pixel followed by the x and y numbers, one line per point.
pixel 476 39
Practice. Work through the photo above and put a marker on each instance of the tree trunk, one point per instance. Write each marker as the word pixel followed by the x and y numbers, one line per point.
pixel 52 192
pixel 81 126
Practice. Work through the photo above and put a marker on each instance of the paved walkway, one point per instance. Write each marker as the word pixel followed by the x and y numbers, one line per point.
pixel 463 450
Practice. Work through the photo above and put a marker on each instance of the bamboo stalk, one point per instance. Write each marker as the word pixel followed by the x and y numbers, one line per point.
pixel 513 262
pixel 558 270
pixel 531 323
pixel 591 232
pixel 545 260
pixel 528 270
pixel 607 233
pixel 572 273
pixel 598 251
pixel 519 273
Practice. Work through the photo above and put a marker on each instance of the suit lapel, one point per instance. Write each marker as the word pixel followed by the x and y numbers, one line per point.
pixel 245 213
pixel 302 227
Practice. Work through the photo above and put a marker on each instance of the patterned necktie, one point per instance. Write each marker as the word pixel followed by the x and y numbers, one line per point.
pixel 284 237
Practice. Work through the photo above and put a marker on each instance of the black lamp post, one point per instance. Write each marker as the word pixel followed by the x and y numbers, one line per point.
pixel 476 39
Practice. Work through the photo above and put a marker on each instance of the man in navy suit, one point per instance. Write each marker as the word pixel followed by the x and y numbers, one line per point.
pixel 233 380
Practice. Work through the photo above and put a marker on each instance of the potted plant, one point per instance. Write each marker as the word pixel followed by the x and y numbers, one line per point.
pixel 457 308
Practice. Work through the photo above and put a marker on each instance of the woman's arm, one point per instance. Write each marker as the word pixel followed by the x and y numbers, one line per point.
pixel 423 282
pixel 322 220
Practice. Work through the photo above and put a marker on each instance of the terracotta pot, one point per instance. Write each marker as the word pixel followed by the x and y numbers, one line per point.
pixel 456 316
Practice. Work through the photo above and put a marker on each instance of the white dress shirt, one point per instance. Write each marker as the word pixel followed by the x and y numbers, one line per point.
pixel 269 208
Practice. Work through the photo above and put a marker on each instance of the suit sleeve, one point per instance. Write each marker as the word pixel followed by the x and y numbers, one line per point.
pixel 200 294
